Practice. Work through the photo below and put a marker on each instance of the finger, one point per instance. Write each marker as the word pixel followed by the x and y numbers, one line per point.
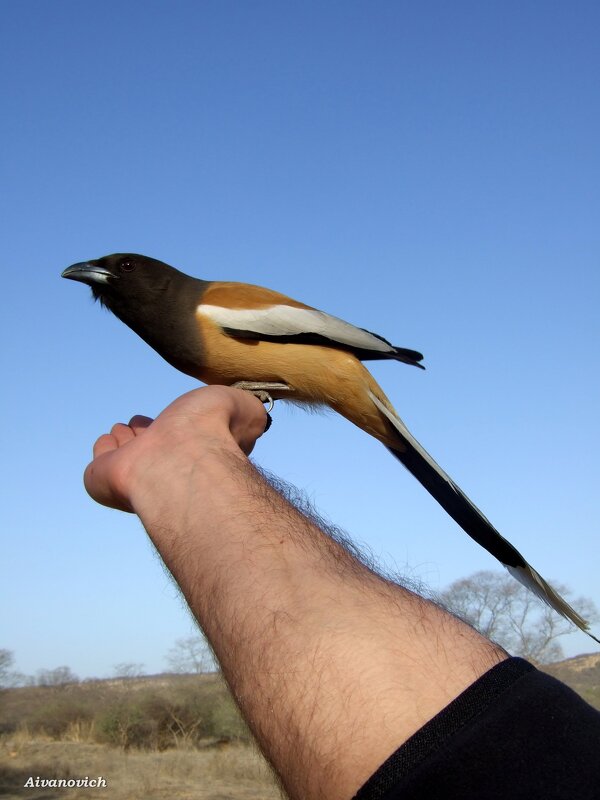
pixel 122 433
pixel 249 423
pixel 256 428
pixel 139 423
pixel 98 485
pixel 104 444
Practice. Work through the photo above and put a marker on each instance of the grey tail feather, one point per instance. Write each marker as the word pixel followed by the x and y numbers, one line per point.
pixel 453 500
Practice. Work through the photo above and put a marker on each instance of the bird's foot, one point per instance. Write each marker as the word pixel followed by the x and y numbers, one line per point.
pixel 262 390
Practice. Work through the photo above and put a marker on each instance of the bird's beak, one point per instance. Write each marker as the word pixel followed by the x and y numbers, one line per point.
pixel 87 272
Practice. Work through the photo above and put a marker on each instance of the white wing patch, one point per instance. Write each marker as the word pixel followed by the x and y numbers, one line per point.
pixel 282 320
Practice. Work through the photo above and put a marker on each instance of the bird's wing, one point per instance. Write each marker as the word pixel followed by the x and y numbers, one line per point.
pixel 250 312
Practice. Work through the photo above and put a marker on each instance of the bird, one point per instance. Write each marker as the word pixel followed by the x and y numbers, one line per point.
pixel 253 338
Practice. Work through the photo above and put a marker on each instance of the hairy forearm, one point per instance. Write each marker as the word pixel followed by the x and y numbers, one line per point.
pixel 332 666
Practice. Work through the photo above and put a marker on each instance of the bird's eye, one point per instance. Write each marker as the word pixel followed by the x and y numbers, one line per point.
pixel 126 265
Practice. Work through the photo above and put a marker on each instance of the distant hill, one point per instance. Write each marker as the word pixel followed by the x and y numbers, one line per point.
pixel 153 712
pixel 159 710
pixel 581 673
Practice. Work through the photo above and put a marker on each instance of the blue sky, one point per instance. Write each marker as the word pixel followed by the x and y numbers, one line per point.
pixel 429 171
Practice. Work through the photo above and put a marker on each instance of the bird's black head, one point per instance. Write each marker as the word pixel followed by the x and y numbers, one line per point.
pixel 155 300
pixel 123 281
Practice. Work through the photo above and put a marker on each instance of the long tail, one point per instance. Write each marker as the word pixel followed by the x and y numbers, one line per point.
pixel 441 486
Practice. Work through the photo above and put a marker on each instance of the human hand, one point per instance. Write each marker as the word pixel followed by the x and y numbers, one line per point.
pixel 213 418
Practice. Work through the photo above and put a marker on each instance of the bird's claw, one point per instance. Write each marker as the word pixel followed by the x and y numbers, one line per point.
pixel 262 391
pixel 265 398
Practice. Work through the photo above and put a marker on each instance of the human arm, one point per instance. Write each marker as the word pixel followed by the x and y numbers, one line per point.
pixel 332 666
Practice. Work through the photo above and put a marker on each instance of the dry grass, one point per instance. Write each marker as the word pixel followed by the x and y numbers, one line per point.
pixel 231 772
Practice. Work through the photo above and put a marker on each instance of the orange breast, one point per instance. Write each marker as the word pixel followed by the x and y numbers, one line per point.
pixel 315 374
pixel 309 370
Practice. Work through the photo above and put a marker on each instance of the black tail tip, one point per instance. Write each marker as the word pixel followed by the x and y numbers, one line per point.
pixel 412 357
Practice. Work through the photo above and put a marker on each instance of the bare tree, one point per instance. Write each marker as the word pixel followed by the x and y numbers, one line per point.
pixel 191 655
pixel 9 677
pixel 505 611
pixel 59 676
pixel 128 669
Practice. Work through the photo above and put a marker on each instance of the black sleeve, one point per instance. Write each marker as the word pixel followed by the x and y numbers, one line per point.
pixel 515 733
